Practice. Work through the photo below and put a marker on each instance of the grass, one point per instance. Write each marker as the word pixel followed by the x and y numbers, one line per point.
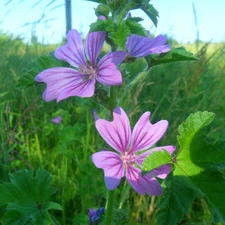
pixel 28 138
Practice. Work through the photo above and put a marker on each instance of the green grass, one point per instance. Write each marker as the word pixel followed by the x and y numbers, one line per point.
pixel 28 138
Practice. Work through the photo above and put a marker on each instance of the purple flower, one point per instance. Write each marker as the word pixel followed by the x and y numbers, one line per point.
pixel 127 144
pixel 80 81
pixel 139 46
pixel 94 216
pixel 57 119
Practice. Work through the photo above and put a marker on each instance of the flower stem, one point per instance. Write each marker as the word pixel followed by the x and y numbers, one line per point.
pixel 112 99
pixel 110 200
pixel 109 208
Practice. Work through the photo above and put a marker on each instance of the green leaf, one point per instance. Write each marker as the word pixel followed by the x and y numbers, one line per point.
pixel 120 35
pixel 176 200
pixel 174 55
pixel 196 173
pixel 27 197
pixel 38 65
pixel 135 28
pixel 102 25
pixel 151 12
pixel 102 10
pixel 155 160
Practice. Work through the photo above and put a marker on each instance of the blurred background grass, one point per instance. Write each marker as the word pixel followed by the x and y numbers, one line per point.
pixel 28 138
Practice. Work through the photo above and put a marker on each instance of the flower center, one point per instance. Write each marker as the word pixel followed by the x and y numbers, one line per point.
pixel 129 158
pixel 84 69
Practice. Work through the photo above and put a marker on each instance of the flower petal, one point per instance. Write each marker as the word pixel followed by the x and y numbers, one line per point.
pixel 64 82
pixel 145 134
pixel 73 51
pixel 112 165
pixel 116 133
pixel 139 46
pixel 93 45
pixel 142 184
pixel 108 74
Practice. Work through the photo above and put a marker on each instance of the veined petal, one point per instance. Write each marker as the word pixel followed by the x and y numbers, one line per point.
pixel 116 133
pixel 93 45
pixel 139 46
pixel 64 82
pixel 145 134
pixel 112 165
pixel 161 172
pixel 73 51
pixel 142 184
pixel 108 74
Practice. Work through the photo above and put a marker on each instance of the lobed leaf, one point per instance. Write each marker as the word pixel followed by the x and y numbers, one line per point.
pixel 174 55
pixel 26 196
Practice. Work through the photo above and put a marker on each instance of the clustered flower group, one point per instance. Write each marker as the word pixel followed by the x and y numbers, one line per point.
pixel 80 79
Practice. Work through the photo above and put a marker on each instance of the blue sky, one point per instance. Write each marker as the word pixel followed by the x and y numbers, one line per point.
pixel 176 18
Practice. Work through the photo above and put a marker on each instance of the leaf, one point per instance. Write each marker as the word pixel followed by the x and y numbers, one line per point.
pixel 176 200
pixel 38 65
pixel 151 12
pixel 196 172
pixel 135 28
pixel 26 196
pixel 120 35
pixel 155 160
pixel 174 55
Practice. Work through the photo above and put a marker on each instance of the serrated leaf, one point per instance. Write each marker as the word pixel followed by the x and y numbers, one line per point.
pixel 38 65
pixel 196 169
pixel 135 28
pixel 174 55
pixel 151 12
pixel 27 197
pixel 155 160
pixel 120 35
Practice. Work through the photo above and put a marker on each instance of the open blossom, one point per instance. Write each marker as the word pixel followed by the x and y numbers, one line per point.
pixel 63 82
pixel 126 161
pixel 139 46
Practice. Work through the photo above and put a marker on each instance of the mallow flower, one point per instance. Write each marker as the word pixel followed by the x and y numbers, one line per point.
pixel 139 46
pixel 80 79
pixel 127 160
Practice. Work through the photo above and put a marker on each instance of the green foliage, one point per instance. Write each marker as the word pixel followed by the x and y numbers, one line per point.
pixel 120 35
pixel 102 10
pixel 160 158
pixel 27 198
pixel 135 28
pixel 38 65
pixel 151 12
pixel 174 55
pixel 195 172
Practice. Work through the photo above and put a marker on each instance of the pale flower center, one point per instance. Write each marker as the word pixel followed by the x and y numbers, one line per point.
pixel 129 158
pixel 84 69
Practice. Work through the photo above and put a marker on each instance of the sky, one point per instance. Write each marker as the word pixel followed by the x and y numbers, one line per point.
pixel 46 19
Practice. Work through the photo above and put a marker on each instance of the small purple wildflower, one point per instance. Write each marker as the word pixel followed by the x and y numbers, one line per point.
pixel 57 119
pixel 118 135
pixel 101 17
pixel 139 46
pixel 94 216
pixel 80 81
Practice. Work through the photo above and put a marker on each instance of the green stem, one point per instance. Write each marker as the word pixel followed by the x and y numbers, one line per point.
pixel 110 200
pixel 109 208
pixel 112 99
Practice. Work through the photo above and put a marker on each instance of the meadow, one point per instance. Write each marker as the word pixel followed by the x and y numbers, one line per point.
pixel 29 139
